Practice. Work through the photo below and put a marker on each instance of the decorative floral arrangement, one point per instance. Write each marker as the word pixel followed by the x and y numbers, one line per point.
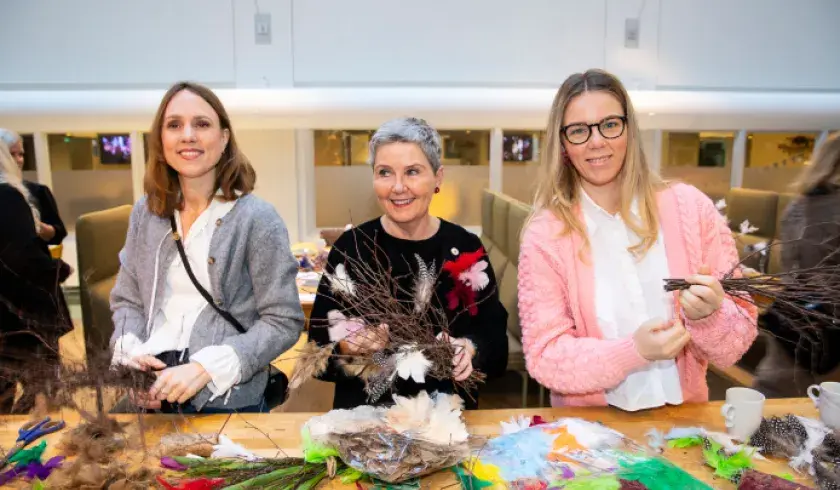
pixel 415 437
pixel 417 344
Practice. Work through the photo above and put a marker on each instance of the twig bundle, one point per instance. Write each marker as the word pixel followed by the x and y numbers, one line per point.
pixel 416 326
pixel 804 295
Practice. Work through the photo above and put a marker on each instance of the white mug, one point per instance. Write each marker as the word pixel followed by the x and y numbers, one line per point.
pixel 826 397
pixel 742 412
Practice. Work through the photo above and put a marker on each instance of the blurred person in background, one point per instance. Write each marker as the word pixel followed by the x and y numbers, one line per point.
pixel 33 314
pixel 803 351
pixel 51 229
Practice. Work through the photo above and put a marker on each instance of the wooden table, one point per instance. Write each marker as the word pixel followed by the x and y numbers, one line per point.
pixel 283 431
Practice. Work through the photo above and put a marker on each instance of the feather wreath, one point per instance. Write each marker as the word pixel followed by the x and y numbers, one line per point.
pixel 416 344
pixel 805 296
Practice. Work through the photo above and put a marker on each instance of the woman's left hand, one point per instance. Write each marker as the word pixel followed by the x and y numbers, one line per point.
pixel 462 366
pixel 180 383
pixel 704 297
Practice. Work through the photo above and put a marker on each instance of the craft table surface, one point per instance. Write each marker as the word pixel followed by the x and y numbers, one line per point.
pixel 269 434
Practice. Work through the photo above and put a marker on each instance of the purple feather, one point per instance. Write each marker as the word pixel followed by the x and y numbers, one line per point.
pixel 171 464
pixel 42 471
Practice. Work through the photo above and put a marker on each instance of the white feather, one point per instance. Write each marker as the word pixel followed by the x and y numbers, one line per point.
pixel 229 449
pixel 340 282
pixel 411 363
pixel 746 228
pixel 515 425
pixel 816 431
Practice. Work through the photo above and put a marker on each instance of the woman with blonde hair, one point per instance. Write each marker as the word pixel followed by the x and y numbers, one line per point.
pixel 597 326
pixel 206 293
pixel 33 314
pixel 797 356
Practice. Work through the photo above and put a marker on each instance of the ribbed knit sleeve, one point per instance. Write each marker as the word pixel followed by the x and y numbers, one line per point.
pixel 725 335
pixel 554 353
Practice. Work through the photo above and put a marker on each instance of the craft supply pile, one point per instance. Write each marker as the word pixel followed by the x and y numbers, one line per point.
pixel 397 446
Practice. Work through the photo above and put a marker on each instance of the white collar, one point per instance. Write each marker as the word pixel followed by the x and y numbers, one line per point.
pixel 595 215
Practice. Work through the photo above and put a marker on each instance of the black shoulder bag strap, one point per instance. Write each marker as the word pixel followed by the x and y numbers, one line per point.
pixel 226 315
pixel 276 390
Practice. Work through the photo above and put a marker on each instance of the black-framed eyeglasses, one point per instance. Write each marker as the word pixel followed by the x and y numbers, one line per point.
pixel 579 133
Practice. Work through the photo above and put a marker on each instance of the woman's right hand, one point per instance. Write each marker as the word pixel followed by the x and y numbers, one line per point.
pixel 365 341
pixel 657 340
pixel 142 398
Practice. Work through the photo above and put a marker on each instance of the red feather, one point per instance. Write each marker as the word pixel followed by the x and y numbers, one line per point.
pixel 463 262
pixel 462 293
pixel 194 484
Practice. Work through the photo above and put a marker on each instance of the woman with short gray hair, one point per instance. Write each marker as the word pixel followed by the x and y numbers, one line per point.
pixel 405 156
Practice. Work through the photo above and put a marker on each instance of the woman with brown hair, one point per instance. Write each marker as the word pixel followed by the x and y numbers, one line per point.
pixel 206 292
pixel 597 326
pixel 806 350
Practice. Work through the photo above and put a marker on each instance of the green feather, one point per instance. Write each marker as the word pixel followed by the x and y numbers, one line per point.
pixel 659 474
pixel 726 466
pixel 684 442
pixel 406 485
pixel 315 453
pixel 31 455
pixel 468 481
pixel 596 483
pixel 786 476
pixel 350 475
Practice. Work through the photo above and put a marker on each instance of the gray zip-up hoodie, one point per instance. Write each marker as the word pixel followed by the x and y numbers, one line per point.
pixel 252 275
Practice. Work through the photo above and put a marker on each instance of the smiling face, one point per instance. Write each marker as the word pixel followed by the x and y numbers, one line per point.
pixel 191 136
pixel 404 181
pixel 599 160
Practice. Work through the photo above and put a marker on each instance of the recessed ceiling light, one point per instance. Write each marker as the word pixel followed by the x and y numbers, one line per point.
pixel 651 113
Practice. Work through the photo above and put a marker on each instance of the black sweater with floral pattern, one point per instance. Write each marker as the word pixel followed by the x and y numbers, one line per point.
pixel 472 308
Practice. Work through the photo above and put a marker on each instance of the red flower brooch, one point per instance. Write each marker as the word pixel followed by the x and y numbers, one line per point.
pixel 467 272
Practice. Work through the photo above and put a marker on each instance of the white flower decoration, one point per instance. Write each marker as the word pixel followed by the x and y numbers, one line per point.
pixel 721 204
pixel 747 228
pixel 475 277
pixel 411 363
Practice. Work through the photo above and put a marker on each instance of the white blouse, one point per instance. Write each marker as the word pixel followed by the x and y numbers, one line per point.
pixel 628 292
pixel 181 305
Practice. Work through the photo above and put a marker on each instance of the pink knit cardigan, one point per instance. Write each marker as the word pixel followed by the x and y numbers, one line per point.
pixel 564 348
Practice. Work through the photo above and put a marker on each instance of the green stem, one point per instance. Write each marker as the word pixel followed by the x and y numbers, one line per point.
pixel 309 485
pixel 263 480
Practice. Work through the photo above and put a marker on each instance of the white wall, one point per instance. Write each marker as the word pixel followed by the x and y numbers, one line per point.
pixel 272 153
pixel 464 42
pixel 711 44
pixel 749 44
pixel 105 43
pixel 261 65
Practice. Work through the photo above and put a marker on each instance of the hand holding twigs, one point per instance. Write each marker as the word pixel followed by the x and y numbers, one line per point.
pixel 703 297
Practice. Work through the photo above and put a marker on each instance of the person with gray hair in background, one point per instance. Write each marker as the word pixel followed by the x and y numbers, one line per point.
pixel 405 156
pixel 33 314
pixel 50 227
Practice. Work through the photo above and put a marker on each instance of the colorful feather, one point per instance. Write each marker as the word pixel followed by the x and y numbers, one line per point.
pixel 659 474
